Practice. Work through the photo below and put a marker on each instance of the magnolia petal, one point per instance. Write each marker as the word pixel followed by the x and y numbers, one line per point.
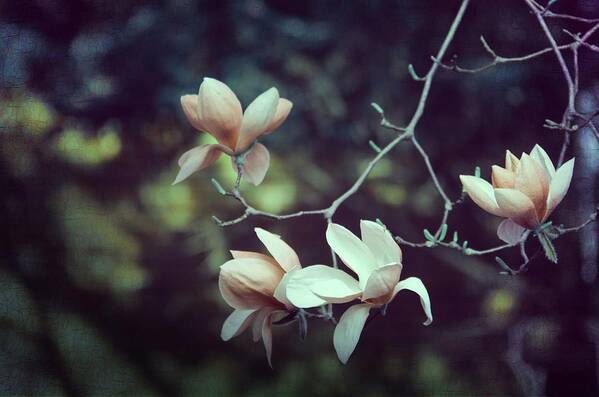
pixel 261 315
pixel 283 108
pixel 280 293
pixel 257 118
pixel 381 282
pixel 189 104
pixel 511 161
pixel 348 331
pixel 533 181
pixel 352 251
pixel 279 249
pixel 249 283
pixel 518 207
pixel 250 254
pixel 219 111
pixel 539 154
pixel 414 284
pixel 236 323
pixel 302 283
pixel 559 186
pixel 267 337
pixel 380 242
pixel 197 159
pixel 502 178
pixel 255 165
pixel 481 192
pixel 337 290
pixel 510 232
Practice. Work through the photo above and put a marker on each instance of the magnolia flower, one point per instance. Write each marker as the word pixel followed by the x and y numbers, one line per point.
pixel 217 111
pixel 251 284
pixel 376 260
pixel 525 192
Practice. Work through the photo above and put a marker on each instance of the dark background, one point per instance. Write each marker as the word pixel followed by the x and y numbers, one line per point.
pixel 108 273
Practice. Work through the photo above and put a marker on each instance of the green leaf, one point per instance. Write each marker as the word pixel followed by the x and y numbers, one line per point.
pixel 548 246
pixel 552 232
pixel 428 235
pixel 443 232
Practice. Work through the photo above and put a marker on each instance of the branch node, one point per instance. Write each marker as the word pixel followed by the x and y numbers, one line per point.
pixel 488 47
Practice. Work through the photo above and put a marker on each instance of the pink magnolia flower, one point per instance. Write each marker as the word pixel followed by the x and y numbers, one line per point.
pixel 217 111
pixel 251 284
pixel 525 192
pixel 376 260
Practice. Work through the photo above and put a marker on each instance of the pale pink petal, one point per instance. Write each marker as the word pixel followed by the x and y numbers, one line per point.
pixel 236 323
pixel 348 331
pixel 539 154
pixel 249 283
pixel 559 186
pixel 189 104
pixel 279 249
pixel 533 181
pixel 250 254
pixel 414 284
pixel 267 337
pixel 518 207
pixel 261 315
pixel 283 109
pixel 481 192
pixel 302 285
pixel 510 232
pixel 280 293
pixel 352 251
pixel 381 283
pixel 502 178
pixel 337 290
pixel 255 164
pixel 197 159
pixel 219 111
pixel 380 242
pixel 511 161
pixel 257 118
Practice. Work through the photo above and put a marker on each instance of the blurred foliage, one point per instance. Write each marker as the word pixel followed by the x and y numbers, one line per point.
pixel 108 273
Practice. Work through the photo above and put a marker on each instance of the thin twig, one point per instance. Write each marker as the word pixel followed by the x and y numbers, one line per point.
pixel 591 218
pixel 407 132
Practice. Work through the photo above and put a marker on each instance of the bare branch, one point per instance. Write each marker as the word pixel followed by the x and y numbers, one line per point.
pixel 591 218
pixel 407 132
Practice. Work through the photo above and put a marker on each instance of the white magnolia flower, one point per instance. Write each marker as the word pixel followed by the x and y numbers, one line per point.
pixel 525 192
pixel 217 111
pixel 251 284
pixel 376 260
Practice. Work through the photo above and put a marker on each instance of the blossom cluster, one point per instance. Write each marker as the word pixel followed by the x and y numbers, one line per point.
pixel 269 289
pixel 263 289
